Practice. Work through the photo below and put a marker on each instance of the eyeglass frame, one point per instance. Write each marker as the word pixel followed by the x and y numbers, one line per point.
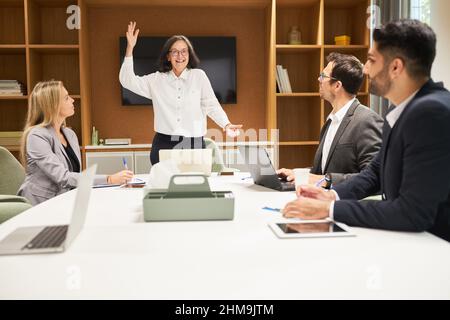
pixel 323 75
pixel 174 52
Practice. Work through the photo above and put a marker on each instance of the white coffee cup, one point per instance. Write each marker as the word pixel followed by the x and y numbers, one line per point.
pixel 301 176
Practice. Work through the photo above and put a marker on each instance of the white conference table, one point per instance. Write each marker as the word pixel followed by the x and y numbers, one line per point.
pixel 118 255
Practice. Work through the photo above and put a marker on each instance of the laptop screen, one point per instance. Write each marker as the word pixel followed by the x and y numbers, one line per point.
pixel 257 161
pixel 80 208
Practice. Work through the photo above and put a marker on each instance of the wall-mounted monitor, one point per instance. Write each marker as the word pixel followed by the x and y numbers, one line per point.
pixel 217 58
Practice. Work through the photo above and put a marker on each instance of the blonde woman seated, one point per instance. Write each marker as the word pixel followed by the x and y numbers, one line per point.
pixel 50 151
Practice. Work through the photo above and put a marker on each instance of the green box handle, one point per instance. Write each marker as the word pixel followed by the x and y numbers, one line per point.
pixel 191 190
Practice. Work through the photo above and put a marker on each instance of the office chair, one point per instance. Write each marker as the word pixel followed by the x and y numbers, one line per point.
pixel 217 163
pixel 12 175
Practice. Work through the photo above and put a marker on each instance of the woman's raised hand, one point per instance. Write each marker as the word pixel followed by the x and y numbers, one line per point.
pixel 132 35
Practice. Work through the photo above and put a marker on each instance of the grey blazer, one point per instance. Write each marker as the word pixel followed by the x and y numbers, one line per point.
pixel 49 173
pixel 357 141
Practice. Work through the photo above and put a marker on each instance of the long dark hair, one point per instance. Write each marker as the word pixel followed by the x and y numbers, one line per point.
pixel 164 65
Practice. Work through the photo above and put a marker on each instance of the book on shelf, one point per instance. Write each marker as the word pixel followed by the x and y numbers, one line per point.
pixel 280 84
pixel 10 138
pixel 288 82
pixel 279 90
pixel 12 88
pixel 282 79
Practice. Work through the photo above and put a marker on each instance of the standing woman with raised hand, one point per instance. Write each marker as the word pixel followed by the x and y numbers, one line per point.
pixel 50 150
pixel 182 95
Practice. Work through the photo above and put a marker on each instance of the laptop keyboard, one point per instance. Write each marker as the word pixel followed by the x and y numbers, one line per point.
pixel 49 237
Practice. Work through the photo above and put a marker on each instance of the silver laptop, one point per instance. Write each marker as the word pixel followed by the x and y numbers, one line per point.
pixel 261 169
pixel 51 239
pixel 189 160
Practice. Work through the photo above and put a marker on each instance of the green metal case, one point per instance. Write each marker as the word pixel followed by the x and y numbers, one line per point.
pixel 188 202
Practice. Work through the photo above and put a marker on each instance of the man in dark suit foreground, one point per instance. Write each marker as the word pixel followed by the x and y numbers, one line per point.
pixel 351 137
pixel 412 169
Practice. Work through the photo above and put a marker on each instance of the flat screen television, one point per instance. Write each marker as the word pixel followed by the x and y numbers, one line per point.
pixel 217 58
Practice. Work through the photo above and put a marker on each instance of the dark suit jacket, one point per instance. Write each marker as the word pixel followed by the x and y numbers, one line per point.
pixel 412 170
pixel 357 141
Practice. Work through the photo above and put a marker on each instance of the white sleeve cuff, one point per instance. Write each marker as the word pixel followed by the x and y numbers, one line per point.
pixel 128 60
pixel 336 194
pixel 331 212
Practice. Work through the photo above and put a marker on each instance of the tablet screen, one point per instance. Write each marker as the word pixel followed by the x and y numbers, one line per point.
pixel 319 227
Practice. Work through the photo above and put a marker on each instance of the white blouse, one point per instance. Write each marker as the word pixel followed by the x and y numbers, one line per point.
pixel 180 104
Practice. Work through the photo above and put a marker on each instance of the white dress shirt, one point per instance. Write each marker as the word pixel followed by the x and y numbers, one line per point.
pixel 336 119
pixel 391 118
pixel 180 104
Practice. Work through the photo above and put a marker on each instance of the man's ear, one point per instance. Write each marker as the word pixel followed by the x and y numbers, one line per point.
pixel 338 85
pixel 396 67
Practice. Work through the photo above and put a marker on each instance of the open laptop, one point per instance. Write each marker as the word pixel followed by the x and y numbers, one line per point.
pixel 189 160
pixel 52 239
pixel 258 163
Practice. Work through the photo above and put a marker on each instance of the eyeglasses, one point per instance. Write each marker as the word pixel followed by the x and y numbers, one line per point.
pixel 183 52
pixel 323 75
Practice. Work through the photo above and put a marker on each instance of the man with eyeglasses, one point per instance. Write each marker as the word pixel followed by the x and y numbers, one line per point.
pixel 351 135
pixel 412 168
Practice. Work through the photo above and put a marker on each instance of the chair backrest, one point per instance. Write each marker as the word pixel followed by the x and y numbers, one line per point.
pixel 11 172
pixel 217 160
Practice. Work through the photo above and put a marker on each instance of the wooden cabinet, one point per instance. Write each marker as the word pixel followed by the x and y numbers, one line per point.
pixel 37 45
pixel 300 115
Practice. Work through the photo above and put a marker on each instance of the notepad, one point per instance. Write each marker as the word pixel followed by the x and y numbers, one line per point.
pixel 136 181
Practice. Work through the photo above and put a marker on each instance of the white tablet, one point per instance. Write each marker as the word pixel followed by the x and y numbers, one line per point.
pixel 310 229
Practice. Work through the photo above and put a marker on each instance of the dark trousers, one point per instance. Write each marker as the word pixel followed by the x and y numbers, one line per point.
pixel 164 141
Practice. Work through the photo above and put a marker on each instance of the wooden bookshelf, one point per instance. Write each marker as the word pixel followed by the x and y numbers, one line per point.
pixel 36 45
pixel 301 114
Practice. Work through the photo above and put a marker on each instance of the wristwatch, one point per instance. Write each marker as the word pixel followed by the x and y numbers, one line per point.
pixel 327 181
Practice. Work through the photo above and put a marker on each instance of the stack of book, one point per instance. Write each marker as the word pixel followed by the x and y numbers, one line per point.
pixel 10 139
pixel 283 83
pixel 11 88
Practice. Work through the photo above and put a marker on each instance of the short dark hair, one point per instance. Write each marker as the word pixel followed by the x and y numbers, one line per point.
pixel 412 41
pixel 348 70
pixel 164 65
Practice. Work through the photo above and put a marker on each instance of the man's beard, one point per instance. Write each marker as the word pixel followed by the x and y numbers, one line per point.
pixel 380 84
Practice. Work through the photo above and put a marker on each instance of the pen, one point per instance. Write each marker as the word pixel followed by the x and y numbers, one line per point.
pixel 272 209
pixel 320 182
pixel 125 163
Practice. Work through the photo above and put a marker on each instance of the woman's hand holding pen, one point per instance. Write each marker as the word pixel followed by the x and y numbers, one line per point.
pixel 120 177
pixel 132 36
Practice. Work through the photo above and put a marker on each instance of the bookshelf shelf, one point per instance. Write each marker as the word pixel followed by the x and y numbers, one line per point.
pixel 298 94
pixel 12 48
pixel 299 143
pixel 4 97
pixel 281 48
pixel 54 48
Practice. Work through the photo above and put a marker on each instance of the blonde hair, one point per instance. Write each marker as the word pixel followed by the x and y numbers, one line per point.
pixel 43 110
